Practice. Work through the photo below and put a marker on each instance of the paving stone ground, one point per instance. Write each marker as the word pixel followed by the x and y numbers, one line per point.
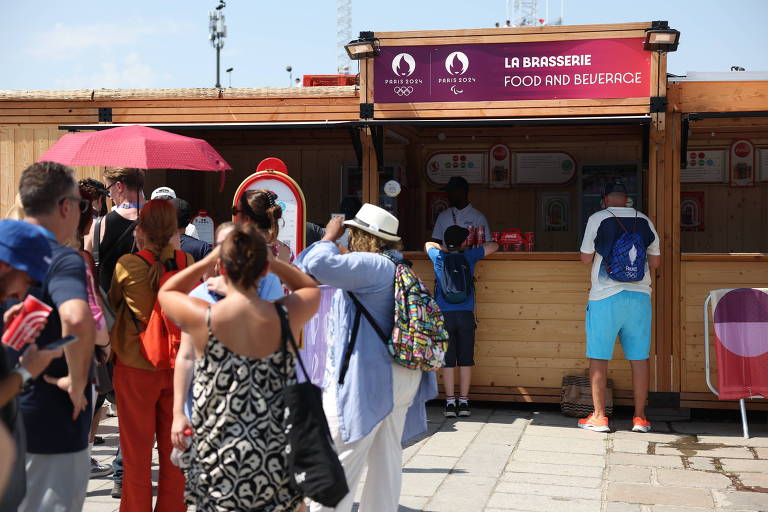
pixel 509 459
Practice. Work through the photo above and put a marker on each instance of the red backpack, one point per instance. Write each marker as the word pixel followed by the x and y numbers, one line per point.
pixel 161 339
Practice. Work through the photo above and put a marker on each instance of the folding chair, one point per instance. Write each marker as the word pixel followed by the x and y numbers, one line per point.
pixel 738 315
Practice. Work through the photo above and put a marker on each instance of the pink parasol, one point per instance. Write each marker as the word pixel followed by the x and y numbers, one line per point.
pixel 136 146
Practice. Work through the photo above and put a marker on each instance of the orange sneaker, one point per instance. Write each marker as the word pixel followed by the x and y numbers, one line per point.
pixel 640 424
pixel 591 423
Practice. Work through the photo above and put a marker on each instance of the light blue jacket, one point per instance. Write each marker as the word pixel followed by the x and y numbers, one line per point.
pixel 365 398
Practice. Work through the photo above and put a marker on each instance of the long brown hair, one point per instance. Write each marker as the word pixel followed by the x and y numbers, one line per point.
pixel 261 207
pixel 244 255
pixel 157 221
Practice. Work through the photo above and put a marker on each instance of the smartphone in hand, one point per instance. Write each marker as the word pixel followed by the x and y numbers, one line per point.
pixel 60 343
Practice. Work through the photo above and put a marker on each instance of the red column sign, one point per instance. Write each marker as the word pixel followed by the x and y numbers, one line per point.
pixel 272 175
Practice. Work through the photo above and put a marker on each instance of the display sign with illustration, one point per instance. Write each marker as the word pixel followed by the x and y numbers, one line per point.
pixel 705 166
pixel 692 210
pixel 444 165
pixel 289 197
pixel 762 161
pixel 556 211
pixel 540 168
pixel 545 70
pixel 499 167
pixel 437 203
pixel 742 164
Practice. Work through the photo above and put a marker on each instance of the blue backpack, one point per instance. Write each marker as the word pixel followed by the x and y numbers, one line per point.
pixel 456 279
pixel 626 260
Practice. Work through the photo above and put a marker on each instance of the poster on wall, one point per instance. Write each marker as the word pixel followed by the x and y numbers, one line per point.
pixel 556 211
pixel 289 197
pixel 437 203
pixel 500 167
pixel 692 210
pixel 762 162
pixel 742 165
pixel 444 165
pixel 705 166
pixel 542 168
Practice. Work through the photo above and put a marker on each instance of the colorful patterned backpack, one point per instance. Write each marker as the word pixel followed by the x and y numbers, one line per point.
pixel 418 339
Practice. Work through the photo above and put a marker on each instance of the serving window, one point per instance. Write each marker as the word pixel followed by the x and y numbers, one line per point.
pixel 544 180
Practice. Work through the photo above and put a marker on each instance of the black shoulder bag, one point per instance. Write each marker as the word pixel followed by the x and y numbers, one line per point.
pixel 314 467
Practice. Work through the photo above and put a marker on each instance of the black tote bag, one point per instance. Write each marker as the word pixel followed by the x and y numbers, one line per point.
pixel 314 467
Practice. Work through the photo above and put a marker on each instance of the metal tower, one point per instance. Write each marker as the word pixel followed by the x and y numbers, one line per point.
pixel 526 13
pixel 343 35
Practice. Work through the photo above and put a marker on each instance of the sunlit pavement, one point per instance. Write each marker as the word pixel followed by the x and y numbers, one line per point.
pixel 504 458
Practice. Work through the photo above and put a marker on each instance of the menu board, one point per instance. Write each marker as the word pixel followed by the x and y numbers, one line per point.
pixel 542 168
pixel 705 166
pixel 444 165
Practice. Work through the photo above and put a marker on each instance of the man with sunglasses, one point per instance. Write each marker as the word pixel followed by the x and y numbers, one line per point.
pixel 57 408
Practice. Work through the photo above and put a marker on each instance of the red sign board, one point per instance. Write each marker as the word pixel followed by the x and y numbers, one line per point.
pixel 583 69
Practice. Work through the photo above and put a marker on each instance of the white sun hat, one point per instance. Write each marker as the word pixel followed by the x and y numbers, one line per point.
pixel 163 192
pixel 376 221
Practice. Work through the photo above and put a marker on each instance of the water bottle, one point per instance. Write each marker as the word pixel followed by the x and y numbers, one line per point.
pixel 176 453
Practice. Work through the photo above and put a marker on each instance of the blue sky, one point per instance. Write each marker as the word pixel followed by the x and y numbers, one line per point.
pixel 138 44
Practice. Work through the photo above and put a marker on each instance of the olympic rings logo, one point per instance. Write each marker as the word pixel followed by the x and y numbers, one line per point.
pixel 403 91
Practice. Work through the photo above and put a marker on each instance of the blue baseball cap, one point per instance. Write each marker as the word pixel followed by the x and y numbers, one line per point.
pixel 25 247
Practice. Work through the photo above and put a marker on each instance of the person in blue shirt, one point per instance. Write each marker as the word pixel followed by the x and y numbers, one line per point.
pixel 379 402
pixel 459 316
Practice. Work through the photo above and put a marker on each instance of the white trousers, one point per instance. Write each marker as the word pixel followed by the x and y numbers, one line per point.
pixel 381 450
pixel 57 482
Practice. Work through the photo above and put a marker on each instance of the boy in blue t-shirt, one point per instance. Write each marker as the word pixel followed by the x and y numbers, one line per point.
pixel 457 303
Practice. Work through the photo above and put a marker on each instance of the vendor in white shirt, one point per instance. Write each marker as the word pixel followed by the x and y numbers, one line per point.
pixel 460 211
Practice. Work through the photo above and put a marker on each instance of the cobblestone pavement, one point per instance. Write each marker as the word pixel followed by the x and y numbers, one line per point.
pixel 505 459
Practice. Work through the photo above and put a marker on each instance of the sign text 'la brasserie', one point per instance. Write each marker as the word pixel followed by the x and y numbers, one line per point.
pixel 563 61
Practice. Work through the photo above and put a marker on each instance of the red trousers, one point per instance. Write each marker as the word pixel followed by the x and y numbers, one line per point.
pixel 146 413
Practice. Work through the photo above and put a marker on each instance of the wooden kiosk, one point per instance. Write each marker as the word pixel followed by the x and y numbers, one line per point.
pixel 536 150
pixel 458 96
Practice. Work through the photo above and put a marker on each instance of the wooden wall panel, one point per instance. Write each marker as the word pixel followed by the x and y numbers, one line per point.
pixel 21 146
pixel 531 325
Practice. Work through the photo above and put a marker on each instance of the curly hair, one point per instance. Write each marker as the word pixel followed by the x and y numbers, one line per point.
pixel 362 241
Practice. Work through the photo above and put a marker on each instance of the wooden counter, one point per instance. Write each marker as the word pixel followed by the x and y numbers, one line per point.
pixel 530 333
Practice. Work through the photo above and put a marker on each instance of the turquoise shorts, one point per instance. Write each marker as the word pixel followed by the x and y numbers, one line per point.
pixel 626 315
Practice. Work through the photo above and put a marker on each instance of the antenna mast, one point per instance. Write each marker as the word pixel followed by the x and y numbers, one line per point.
pixel 343 35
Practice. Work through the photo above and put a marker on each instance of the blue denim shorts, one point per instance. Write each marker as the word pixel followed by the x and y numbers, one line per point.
pixel 626 315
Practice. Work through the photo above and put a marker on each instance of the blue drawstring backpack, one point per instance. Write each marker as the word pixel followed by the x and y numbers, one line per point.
pixel 626 260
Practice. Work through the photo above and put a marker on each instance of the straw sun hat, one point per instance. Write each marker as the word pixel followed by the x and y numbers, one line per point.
pixel 376 221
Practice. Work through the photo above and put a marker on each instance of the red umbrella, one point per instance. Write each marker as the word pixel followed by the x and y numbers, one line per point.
pixel 136 146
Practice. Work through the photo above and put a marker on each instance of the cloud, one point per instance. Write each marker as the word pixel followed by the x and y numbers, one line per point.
pixel 131 73
pixel 65 42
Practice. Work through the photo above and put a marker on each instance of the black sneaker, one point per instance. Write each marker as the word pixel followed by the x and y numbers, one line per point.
pixel 464 409
pixel 117 490
pixel 450 409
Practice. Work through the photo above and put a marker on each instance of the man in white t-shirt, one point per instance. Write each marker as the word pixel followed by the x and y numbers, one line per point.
pixel 460 212
pixel 618 306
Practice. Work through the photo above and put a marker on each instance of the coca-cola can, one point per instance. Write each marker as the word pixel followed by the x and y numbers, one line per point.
pixel 529 246
pixel 529 236
pixel 33 315
pixel 517 247
pixel 496 236
pixel 480 235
